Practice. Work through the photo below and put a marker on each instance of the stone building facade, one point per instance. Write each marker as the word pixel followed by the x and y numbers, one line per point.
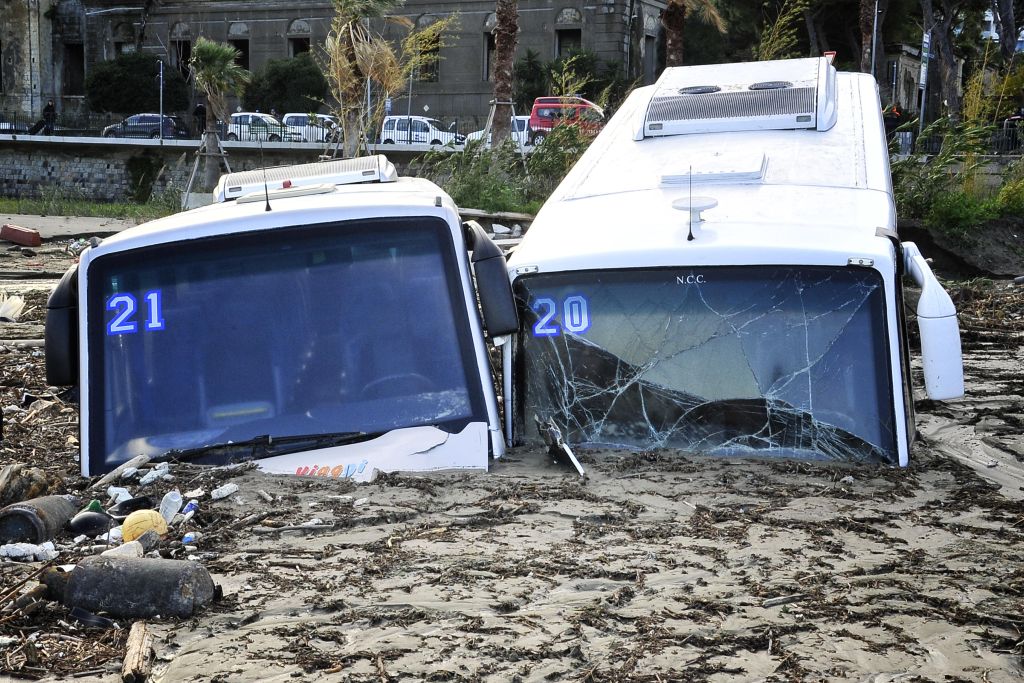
pixel 48 46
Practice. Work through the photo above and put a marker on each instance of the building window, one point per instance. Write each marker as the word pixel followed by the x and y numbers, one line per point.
pixel 298 37
pixel 568 41
pixel 181 47
pixel 74 69
pixel 2 68
pixel 124 39
pixel 181 55
pixel 431 59
pixel 489 49
pixel 242 46
pixel 238 38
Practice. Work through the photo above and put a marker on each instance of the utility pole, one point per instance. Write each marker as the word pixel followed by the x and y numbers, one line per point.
pixel 161 63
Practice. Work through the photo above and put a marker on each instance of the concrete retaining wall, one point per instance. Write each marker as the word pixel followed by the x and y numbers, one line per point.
pixel 108 169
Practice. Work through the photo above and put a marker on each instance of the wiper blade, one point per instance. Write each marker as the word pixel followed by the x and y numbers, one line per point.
pixel 265 446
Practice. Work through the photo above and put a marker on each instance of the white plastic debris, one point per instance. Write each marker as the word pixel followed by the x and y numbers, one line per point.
pixel 224 491
pixel 156 473
pixel 29 552
pixel 194 493
pixel 119 494
pixel 129 472
pixel 500 229
pixel 848 479
pixel 361 501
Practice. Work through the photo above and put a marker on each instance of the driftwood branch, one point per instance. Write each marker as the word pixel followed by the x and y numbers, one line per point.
pixel 138 654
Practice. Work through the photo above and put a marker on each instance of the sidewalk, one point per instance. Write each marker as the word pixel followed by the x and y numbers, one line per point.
pixel 64 227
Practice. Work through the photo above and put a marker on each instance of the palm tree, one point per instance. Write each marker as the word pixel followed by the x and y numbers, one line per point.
pixel 216 73
pixel 505 33
pixel 673 20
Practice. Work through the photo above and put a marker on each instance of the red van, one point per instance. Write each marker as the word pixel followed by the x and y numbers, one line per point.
pixel 549 112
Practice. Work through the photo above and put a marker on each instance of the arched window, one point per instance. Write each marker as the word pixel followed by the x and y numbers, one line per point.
pixel 238 38
pixel 429 67
pixel 298 37
pixel 568 32
pixel 181 46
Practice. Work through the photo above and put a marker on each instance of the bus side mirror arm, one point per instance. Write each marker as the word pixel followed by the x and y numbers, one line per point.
pixel 940 332
pixel 492 283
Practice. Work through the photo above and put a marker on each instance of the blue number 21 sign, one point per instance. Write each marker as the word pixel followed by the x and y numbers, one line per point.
pixel 126 307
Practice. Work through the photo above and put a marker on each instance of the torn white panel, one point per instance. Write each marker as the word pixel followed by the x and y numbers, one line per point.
pixel 414 449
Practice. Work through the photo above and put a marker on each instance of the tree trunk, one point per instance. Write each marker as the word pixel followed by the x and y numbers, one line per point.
pixel 506 31
pixel 870 23
pixel 812 34
pixel 673 20
pixel 1006 26
pixel 211 158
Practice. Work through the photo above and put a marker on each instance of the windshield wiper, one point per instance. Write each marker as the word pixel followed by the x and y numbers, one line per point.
pixel 264 446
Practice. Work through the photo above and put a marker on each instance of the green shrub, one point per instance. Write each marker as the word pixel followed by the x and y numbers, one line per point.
pixel 1010 199
pixel 287 85
pixel 957 213
pixel 130 84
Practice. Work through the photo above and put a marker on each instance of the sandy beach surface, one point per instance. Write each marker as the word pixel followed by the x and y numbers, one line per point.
pixel 659 566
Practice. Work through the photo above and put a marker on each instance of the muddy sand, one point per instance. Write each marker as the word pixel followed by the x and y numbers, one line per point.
pixel 654 567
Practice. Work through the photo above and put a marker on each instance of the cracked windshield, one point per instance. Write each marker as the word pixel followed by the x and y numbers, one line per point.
pixel 720 360
pixel 294 332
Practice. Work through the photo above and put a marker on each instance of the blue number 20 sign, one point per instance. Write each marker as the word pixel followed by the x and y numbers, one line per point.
pixel 125 307
pixel 575 317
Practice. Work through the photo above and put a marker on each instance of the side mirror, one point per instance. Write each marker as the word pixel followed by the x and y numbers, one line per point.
pixel 492 283
pixel 940 334
pixel 61 335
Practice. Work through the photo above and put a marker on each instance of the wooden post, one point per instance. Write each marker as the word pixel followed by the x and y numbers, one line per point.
pixel 138 654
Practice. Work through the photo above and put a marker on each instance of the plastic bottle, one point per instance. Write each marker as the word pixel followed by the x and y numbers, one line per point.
pixel 224 491
pixel 191 537
pixel 170 505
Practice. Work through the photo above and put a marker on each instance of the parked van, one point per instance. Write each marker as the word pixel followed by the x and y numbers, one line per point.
pixel 418 130
pixel 256 126
pixel 318 319
pixel 549 112
pixel 721 273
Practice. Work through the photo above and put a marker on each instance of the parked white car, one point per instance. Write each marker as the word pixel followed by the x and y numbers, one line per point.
pixel 520 131
pixel 312 127
pixel 418 130
pixel 257 126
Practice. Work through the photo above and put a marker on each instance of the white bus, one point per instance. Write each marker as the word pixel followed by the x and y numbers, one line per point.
pixel 320 319
pixel 721 273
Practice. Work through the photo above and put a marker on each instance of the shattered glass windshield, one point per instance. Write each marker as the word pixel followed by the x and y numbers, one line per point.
pixel 356 327
pixel 758 360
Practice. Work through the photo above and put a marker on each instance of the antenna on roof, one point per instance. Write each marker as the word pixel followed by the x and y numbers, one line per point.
pixel 263 166
pixel 689 238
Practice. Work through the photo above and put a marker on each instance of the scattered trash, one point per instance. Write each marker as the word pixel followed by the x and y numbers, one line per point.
pixel 170 505
pixel 194 493
pixel 848 479
pixel 129 473
pixel 265 496
pixel 141 521
pixel 134 587
pixel 77 246
pixel 1019 280
pixel 129 549
pixel 360 502
pixel 499 229
pixel 19 482
pixel 93 506
pixel 29 552
pixel 26 237
pixel 89 619
pixel 224 491
pixel 36 520
pixel 118 494
pixel 91 523
pixel 156 473
pixel 129 505
pixel 137 461
pixel 10 309
pixel 783 600
pixel 191 537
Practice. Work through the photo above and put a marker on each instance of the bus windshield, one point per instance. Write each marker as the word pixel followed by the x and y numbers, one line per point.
pixel 753 360
pixel 357 327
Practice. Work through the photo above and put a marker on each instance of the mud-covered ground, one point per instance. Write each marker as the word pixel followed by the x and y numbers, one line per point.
pixel 655 567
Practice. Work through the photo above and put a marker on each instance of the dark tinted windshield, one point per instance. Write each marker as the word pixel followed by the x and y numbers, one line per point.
pixel 753 360
pixel 344 328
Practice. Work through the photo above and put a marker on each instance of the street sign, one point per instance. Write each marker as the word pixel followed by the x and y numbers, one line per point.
pixel 926 42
